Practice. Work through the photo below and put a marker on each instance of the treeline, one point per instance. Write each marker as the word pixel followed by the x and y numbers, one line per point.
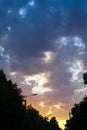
pixel 13 112
pixel 78 121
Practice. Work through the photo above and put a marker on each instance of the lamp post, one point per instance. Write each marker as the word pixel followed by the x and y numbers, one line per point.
pixel 24 100
pixel 67 110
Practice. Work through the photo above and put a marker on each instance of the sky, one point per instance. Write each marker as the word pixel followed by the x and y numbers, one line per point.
pixel 43 47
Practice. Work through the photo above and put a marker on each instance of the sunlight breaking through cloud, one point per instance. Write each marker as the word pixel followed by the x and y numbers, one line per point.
pixel 38 83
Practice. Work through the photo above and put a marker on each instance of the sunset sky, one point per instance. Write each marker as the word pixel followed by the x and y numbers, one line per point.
pixel 43 47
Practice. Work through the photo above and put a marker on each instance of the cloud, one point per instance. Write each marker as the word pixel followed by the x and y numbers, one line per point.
pixel 41 37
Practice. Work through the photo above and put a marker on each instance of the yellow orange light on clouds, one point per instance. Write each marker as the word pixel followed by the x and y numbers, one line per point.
pixel 58 106
pixel 49 113
pixel 42 105
pixel 62 123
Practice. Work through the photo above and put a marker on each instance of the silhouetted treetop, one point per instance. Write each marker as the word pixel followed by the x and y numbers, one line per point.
pixel 14 115
pixel 79 116
pixel 11 108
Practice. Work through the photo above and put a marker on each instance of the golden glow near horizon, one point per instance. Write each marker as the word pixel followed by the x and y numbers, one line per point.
pixel 38 85
pixel 42 105
pixel 49 113
pixel 62 123
pixel 58 106
pixel 38 82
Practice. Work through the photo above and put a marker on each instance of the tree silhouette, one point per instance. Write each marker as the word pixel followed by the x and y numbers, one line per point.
pixel 79 116
pixel 54 124
pixel 34 121
pixel 85 77
pixel 13 113
pixel 11 107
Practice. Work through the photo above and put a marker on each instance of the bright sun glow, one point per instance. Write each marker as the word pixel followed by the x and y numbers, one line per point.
pixel 62 123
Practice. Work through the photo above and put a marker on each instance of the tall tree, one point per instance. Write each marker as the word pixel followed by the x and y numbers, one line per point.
pixel 34 121
pixel 11 107
pixel 78 120
pixel 13 113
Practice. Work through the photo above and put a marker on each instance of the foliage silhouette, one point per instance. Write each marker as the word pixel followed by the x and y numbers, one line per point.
pixel 54 124
pixel 13 113
pixel 11 107
pixel 78 120
pixel 34 121
pixel 85 77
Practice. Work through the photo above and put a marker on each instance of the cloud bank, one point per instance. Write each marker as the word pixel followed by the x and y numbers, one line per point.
pixel 45 37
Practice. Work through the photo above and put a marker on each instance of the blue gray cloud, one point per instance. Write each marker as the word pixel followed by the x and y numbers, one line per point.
pixel 29 28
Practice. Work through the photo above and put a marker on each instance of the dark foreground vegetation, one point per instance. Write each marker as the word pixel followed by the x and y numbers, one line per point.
pixel 78 121
pixel 14 115
pixel 13 112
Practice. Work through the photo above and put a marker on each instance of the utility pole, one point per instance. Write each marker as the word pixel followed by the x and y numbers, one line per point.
pixel 67 110
pixel 25 101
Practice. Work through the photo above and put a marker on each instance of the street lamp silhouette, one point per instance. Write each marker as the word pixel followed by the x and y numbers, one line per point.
pixel 24 99
pixel 85 77
pixel 67 110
